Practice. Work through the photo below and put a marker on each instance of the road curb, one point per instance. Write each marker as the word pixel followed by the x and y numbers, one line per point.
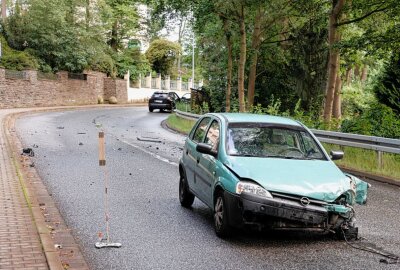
pixel 41 204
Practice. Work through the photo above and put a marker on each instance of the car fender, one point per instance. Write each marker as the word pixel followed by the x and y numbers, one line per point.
pixel 361 189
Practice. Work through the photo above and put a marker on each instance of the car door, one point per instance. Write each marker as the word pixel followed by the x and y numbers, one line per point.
pixel 206 165
pixel 190 154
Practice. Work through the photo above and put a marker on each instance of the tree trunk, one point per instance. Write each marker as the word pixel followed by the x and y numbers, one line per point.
pixel 255 43
pixel 337 101
pixel 364 73
pixel 348 76
pixel 242 58
pixel 230 67
pixel 357 72
pixel 3 9
pixel 333 64
pixel 114 36
pixel 87 14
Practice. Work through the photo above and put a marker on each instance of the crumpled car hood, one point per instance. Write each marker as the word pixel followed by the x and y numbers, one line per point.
pixel 317 179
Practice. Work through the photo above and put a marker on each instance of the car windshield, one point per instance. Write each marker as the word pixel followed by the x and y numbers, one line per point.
pixel 266 140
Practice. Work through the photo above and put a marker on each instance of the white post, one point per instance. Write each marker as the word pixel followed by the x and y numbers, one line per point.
pixel 128 80
pixel 140 81
pixel 148 81
pixel 158 81
pixel 167 82
pixel 179 84
pixel 190 83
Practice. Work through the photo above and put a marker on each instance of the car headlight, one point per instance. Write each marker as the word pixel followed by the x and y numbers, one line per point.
pixel 251 188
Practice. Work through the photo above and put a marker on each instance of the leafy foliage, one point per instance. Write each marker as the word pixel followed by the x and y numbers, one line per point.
pixel 134 61
pixel 388 89
pixel 16 60
pixel 378 120
pixel 73 35
pixel 161 55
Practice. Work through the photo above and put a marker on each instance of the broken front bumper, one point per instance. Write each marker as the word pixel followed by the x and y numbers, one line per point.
pixel 278 212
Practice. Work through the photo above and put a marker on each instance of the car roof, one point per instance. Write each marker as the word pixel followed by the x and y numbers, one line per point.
pixel 256 118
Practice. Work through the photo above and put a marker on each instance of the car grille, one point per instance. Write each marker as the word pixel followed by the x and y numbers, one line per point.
pixel 298 198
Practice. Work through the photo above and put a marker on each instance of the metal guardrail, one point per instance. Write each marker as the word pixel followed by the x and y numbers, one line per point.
pixel 360 141
pixel 378 144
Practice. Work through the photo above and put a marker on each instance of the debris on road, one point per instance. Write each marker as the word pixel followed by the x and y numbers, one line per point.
pixel 80 143
pixel 60 127
pixel 148 139
pixel 28 152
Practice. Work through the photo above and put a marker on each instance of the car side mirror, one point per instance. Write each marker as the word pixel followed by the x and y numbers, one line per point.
pixel 205 148
pixel 336 155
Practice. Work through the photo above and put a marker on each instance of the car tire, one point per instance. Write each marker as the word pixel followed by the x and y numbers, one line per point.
pixel 221 225
pixel 186 198
pixel 151 109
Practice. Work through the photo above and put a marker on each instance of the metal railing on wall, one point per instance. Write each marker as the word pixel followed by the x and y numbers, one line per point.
pixel 15 74
pixel 77 76
pixel 46 76
pixel 378 144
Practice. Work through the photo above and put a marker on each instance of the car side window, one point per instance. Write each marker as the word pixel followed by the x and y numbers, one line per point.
pixel 200 131
pixel 212 136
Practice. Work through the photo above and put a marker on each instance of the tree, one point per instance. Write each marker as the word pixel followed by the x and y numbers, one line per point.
pixel 357 12
pixel 334 56
pixel 3 9
pixel 161 55
pixel 121 19
pixel 388 89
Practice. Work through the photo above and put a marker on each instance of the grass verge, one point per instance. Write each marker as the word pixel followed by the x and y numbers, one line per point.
pixel 354 158
pixel 367 160
pixel 182 125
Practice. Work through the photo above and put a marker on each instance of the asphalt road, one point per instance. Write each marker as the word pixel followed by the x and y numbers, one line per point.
pixel 145 214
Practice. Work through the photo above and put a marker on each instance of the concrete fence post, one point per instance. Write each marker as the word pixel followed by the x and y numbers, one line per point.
pixel 190 83
pixel 148 81
pixel 167 82
pixel 158 81
pixel 139 84
pixel 179 84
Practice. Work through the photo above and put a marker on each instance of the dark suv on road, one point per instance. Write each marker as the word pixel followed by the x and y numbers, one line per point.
pixel 163 101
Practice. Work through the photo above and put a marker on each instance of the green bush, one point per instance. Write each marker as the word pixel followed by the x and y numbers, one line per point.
pixel 378 120
pixel 388 89
pixel 16 60
pixel 19 61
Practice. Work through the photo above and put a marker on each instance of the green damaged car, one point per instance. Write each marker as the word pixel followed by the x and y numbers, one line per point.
pixel 267 172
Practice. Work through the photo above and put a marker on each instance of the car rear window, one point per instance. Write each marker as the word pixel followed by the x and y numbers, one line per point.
pixel 160 95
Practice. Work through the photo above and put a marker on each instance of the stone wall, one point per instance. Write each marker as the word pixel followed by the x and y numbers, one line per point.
pixel 27 90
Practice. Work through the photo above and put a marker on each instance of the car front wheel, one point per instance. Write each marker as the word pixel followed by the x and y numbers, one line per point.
pixel 185 196
pixel 150 109
pixel 221 225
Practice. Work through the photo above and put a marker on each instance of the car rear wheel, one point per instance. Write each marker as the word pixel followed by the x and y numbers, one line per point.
pixel 151 109
pixel 221 225
pixel 185 196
